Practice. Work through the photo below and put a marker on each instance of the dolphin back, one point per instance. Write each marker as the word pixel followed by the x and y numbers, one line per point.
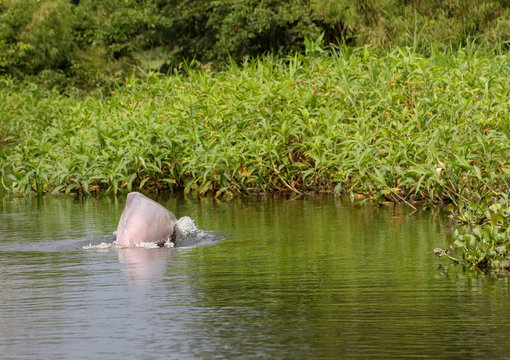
pixel 144 220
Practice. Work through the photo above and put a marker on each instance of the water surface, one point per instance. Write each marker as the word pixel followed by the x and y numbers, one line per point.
pixel 305 278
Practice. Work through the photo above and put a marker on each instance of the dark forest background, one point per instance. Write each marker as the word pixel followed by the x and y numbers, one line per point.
pixel 90 44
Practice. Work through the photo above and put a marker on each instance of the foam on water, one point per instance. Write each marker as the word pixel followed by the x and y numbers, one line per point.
pixel 147 245
pixel 185 226
pixel 101 246
pixel 112 246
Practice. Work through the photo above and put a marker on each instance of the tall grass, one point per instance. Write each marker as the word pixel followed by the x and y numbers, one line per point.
pixel 400 127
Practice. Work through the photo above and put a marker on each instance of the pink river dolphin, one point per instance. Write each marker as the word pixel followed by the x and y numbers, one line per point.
pixel 144 220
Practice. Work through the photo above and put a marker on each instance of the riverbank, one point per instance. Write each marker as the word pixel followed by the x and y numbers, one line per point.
pixel 400 127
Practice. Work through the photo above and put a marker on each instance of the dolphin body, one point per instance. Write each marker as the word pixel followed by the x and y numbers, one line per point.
pixel 144 220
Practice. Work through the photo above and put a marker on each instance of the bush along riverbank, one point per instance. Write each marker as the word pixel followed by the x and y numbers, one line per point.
pixel 400 127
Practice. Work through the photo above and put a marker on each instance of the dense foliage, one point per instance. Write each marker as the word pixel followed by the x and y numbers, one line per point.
pixel 402 126
pixel 90 44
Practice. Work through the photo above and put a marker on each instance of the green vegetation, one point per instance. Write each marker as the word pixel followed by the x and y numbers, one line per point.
pixel 485 244
pixel 88 44
pixel 400 127
pixel 409 104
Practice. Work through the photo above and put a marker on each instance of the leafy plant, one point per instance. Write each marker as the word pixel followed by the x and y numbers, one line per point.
pixel 487 246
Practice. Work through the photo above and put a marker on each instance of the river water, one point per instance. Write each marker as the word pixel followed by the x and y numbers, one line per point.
pixel 307 278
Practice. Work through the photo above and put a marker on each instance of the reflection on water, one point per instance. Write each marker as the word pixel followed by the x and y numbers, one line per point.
pixel 297 278
pixel 142 264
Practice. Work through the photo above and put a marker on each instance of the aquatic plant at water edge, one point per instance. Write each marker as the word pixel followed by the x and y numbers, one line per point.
pixel 486 246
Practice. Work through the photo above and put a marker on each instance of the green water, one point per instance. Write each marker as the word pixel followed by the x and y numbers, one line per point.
pixel 306 278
